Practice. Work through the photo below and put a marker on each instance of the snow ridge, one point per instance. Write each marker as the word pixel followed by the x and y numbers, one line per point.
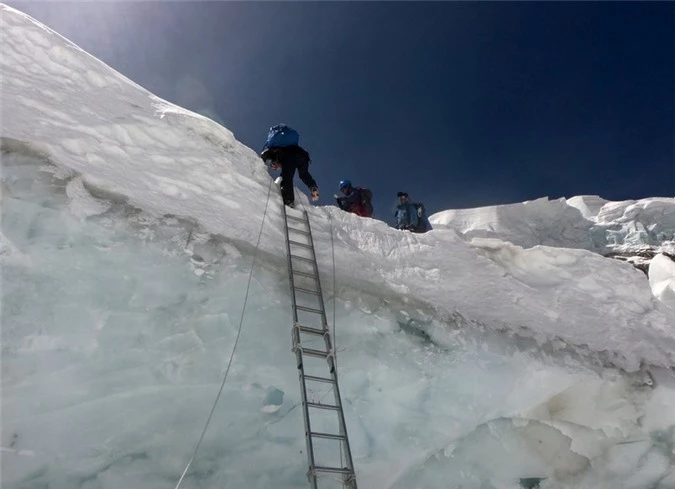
pixel 126 144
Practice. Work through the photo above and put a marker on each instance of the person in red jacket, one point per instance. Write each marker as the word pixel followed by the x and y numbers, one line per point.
pixel 356 200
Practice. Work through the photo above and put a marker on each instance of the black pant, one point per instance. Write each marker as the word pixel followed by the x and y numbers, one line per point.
pixel 288 172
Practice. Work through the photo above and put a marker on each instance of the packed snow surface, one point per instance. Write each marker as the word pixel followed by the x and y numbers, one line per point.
pixel 587 222
pixel 126 144
pixel 662 279
pixel 490 357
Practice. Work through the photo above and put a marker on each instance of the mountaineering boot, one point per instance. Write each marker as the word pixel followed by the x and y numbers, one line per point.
pixel 315 193
pixel 290 204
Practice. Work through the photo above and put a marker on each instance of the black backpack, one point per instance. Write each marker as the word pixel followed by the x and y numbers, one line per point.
pixel 367 196
pixel 421 218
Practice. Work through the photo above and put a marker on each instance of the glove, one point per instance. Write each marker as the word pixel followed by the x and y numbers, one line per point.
pixel 272 164
pixel 315 194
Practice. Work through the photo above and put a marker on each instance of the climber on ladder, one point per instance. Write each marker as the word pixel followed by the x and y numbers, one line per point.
pixel 282 151
pixel 300 249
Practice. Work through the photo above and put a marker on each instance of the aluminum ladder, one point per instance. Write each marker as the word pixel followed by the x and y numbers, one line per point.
pixel 314 354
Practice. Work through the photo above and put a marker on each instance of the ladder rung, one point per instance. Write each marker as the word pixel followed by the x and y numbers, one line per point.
pixel 308 330
pixel 305 274
pixel 309 309
pixel 333 470
pixel 298 243
pixel 299 231
pixel 307 291
pixel 301 219
pixel 309 260
pixel 314 353
pixel 323 406
pixel 328 436
pixel 319 379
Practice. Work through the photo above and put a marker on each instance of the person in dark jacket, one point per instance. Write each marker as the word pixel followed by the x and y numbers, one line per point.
pixel 289 159
pixel 356 200
pixel 411 216
pixel 406 213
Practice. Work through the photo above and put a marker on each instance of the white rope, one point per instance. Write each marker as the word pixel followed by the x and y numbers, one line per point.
pixel 236 341
pixel 335 362
pixel 332 248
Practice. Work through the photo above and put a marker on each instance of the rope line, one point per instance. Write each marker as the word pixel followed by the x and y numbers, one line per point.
pixel 236 341
pixel 332 249
pixel 335 361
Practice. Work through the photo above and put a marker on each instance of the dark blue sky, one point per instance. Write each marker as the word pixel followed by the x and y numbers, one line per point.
pixel 460 104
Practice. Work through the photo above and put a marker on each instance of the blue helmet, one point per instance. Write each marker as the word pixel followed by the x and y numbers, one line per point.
pixel 344 184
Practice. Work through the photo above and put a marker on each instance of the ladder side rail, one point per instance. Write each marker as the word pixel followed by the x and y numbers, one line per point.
pixel 299 360
pixel 305 410
pixel 290 266
pixel 318 281
pixel 349 481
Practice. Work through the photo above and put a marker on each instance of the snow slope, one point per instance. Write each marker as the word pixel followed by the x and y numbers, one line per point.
pixel 633 231
pixel 662 279
pixel 586 221
pixel 90 120
pixel 128 231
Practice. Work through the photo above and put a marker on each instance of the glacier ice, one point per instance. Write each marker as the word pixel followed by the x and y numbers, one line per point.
pixel 127 231
pixel 129 146
pixel 587 222
pixel 117 326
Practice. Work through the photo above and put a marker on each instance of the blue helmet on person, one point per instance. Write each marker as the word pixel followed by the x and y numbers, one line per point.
pixel 344 184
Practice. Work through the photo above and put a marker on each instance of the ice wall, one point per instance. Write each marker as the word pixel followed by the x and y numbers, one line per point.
pixel 117 326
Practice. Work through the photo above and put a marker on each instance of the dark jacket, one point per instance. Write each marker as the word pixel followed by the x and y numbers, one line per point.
pixel 290 158
pixel 406 216
pixel 295 155
pixel 357 202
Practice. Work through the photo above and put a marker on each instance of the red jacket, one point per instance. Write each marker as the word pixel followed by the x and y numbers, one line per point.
pixel 357 202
